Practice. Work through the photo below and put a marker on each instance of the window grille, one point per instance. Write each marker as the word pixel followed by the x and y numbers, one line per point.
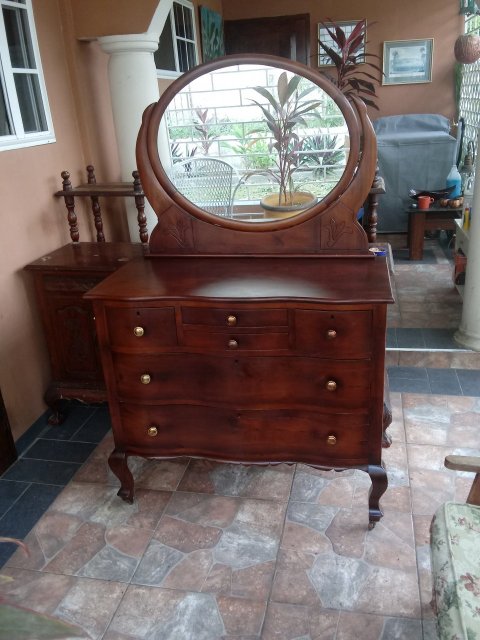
pixel 469 103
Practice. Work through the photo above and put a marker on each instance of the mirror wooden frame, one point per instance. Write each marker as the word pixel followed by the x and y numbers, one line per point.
pixel 329 227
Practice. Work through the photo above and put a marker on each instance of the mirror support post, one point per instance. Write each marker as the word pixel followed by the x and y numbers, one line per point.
pixel 133 86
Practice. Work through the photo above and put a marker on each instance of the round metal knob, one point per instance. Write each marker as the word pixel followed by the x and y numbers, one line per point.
pixel 331 440
pixel 145 378
pixel 331 385
pixel 331 333
pixel 138 331
pixel 231 321
pixel 152 431
pixel 232 344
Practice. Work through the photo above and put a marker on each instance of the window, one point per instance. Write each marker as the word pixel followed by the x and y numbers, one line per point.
pixel 24 114
pixel 177 47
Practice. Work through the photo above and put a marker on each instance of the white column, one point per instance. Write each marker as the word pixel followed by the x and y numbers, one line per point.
pixel 133 86
pixel 468 335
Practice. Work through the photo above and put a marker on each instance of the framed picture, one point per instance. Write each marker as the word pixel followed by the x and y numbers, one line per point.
pixel 211 28
pixel 324 59
pixel 407 61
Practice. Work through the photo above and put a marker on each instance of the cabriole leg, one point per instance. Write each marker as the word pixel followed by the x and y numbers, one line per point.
pixel 379 479
pixel 118 464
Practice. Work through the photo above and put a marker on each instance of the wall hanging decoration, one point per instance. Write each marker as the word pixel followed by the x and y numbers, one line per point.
pixel 211 26
pixel 407 61
pixel 467 48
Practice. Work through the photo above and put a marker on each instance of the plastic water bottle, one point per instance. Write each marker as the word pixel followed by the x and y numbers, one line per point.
pixel 454 179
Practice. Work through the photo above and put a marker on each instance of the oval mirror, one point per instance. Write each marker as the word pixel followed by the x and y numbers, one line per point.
pixel 253 142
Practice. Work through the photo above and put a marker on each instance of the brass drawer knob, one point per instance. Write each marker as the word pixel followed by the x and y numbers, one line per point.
pixel 152 431
pixel 138 331
pixel 331 385
pixel 232 344
pixel 231 321
pixel 145 378
pixel 331 440
pixel 331 334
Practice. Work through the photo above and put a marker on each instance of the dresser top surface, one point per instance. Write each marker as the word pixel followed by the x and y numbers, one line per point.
pixel 333 280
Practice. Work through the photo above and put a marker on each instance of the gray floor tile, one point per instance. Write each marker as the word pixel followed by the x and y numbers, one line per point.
pixel 412 373
pixel 42 472
pixel 469 381
pixel 410 339
pixel 439 338
pixel 444 381
pixel 59 451
pixel 409 385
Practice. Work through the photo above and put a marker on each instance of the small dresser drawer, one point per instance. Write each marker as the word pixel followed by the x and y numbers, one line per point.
pixel 142 328
pixel 240 381
pixel 228 341
pixel 245 436
pixel 334 334
pixel 235 317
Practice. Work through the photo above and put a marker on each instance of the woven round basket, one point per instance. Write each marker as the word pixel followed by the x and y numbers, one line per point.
pixel 467 48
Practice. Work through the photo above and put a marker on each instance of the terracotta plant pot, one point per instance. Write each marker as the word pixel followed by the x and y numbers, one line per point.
pixel 300 201
pixel 467 48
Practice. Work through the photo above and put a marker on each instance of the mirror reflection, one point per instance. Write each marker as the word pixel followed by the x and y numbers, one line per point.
pixel 254 143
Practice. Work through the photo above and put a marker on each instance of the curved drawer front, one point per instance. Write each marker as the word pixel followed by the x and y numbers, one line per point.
pixel 231 340
pixel 142 328
pixel 234 317
pixel 245 436
pixel 334 334
pixel 241 381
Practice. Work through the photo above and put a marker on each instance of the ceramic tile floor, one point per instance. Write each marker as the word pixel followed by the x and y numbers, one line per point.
pixel 221 551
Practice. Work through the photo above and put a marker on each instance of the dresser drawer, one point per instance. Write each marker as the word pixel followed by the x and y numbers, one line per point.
pixel 229 341
pixel 235 317
pixel 338 334
pixel 245 436
pixel 258 382
pixel 142 328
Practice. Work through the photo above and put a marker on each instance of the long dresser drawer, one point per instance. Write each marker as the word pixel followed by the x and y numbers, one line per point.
pixel 234 317
pixel 245 436
pixel 240 381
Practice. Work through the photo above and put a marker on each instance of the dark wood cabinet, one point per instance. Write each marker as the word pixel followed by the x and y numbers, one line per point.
pixel 61 279
pixel 247 342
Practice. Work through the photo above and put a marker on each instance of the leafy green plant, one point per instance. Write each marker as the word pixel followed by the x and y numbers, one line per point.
pixel 206 134
pixel 321 152
pixel 284 112
pixel 350 77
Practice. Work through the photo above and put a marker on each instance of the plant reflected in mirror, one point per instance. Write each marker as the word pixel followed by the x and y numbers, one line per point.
pixel 278 131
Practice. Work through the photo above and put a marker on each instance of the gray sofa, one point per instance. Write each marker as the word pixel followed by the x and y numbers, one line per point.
pixel 415 151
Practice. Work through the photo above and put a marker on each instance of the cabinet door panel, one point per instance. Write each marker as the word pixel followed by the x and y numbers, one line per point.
pixel 245 381
pixel 72 339
pixel 245 436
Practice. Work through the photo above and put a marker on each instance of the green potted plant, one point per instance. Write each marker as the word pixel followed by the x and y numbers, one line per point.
pixel 284 112
pixel 351 61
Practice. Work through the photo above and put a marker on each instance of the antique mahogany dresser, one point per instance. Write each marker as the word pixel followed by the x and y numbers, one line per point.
pixel 244 337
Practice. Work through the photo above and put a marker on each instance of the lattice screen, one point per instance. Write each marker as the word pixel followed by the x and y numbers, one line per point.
pixel 470 90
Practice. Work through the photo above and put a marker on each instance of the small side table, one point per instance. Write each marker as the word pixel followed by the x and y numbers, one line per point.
pixel 421 220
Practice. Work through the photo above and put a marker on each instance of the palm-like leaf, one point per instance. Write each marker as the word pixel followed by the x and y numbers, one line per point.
pixel 346 56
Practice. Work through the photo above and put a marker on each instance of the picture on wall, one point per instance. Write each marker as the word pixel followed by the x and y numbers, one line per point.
pixel 324 37
pixel 407 61
pixel 211 27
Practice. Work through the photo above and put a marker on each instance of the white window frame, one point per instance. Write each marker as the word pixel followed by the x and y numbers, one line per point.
pixel 169 73
pixel 20 138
